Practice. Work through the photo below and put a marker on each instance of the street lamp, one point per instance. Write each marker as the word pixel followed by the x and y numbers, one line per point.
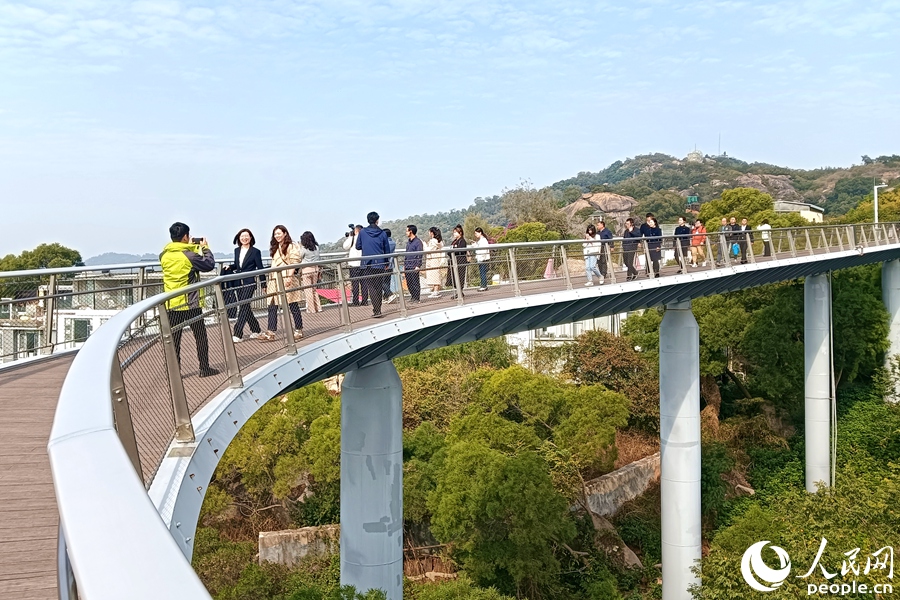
pixel 876 199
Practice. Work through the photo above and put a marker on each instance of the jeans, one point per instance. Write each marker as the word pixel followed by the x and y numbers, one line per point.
pixel 412 284
pixel 482 272
pixel 590 267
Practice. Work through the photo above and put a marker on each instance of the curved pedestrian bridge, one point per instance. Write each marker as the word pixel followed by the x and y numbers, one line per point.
pixel 137 434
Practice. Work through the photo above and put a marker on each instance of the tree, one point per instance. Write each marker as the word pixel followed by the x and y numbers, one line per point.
pixel 529 232
pixel 739 203
pixel 601 358
pixel 502 516
pixel 888 208
pixel 45 256
pixel 525 204
pixel 666 205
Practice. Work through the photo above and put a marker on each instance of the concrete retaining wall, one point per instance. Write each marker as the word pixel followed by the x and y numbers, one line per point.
pixel 607 494
pixel 289 546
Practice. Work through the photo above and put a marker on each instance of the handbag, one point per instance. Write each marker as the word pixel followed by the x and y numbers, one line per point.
pixel 735 249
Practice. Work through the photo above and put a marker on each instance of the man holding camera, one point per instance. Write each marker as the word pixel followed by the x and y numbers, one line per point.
pixel 182 261
pixel 372 241
pixel 356 287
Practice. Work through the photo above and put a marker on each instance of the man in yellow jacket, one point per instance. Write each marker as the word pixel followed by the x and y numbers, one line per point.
pixel 182 262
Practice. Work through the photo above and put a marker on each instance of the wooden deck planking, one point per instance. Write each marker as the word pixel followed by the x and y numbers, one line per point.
pixel 28 515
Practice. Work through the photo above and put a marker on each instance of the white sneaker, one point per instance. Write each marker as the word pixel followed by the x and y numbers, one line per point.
pixel 253 336
pixel 589 284
pixel 703 264
pixel 390 298
pixel 236 339
pixel 600 280
pixel 434 295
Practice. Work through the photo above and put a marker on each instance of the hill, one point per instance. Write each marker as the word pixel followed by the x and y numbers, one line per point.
pixel 660 183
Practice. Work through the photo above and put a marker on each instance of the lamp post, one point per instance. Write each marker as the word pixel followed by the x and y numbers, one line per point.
pixel 876 199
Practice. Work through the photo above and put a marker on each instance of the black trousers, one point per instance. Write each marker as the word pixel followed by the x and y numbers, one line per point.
pixel 245 311
pixel 461 268
pixel 412 284
pixel 295 313
pixel 374 284
pixel 357 286
pixel 601 263
pixel 628 257
pixel 198 328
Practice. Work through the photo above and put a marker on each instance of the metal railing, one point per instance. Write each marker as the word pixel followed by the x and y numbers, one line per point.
pixel 144 375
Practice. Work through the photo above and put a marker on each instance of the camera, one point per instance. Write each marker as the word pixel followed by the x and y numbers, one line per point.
pixel 196 240
pixel 352 228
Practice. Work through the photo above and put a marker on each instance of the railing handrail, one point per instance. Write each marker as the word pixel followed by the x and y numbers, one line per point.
pixel 85 446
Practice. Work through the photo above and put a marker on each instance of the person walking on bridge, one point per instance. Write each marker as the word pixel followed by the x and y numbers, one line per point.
pixel 591 253
pixel 724 243
pixel 284 252
pixel 630 243
pixel 182 261
pixel 247 258
pixel 654 245
pixel 606 244
pixel 698 242
pixel 412 263
pixel 684 243
pixel 309 274
pixel 373 242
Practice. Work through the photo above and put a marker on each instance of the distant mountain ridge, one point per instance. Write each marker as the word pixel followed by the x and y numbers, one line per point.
pixel 119 258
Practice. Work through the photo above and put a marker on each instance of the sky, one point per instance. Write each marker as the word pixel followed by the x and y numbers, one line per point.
pixel 118 118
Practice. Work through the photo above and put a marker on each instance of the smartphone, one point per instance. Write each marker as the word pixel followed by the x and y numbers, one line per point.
pixel 196 240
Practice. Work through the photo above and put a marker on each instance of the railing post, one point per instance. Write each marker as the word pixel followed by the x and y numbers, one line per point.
pixel 791 243
pixel 749 243
pixel 184 430
pixel 286 321
pixel 49 309
pixel 862 234
pixel 231 362
pixel 513 273
pixel 565 265
pixel 825 241
pixel 455 278
pixel 840 239
pixel 808 242
pixel 648 265
pixel 679 253
pixel 122 414
pixel 610 267
pixel 711 260
pixel 851 236
pixel 345 307
pixel 139 292
pixel 401 297
pixel 894 229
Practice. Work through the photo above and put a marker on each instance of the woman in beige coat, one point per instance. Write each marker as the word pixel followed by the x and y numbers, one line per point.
pixel 434 261
pixel 284 252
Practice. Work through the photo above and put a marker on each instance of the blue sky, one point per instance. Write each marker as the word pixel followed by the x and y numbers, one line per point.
pixel 117 118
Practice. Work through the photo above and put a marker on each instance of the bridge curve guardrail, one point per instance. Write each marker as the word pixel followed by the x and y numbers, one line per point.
pixel 129 394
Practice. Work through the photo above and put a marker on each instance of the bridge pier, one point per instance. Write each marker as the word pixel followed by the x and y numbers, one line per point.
pixel 372 480
pixel 679 433
pixel 817 359
pixel 890 295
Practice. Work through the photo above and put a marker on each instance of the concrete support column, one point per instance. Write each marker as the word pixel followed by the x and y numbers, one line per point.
pixel 372 480
pixel 817 359
pixel 679 433
pixel 890 295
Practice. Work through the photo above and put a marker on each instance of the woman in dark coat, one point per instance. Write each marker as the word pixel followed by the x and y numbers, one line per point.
pixel 247 258
pixel 462 262
pixel 654 244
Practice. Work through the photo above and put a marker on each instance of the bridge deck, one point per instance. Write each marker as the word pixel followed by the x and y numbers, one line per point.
pixel 28 397
pixel 28 517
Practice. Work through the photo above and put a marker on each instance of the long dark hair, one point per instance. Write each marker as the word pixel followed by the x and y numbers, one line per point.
pixel 285 242
pixel 308 241
pixel 437 233
pixel 237 237
pixel 591 230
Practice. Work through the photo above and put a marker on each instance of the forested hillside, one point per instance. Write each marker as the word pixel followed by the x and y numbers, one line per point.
pixel 660 183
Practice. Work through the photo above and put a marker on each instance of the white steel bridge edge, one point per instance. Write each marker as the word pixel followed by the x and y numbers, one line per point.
pixel 122 541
